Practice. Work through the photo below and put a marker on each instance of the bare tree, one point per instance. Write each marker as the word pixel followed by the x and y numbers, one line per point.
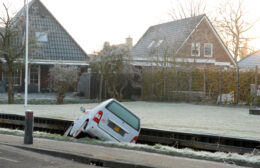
pixel 99 64
pixel 187 8
pixel 232 24
pixel 10 48
pixel 112 65
pixel 64 77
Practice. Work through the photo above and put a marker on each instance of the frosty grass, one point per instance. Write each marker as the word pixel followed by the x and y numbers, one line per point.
pixel 224 121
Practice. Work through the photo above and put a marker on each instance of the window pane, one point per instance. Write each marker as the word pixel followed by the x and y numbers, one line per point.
pixel 33 75
pixel 124 114
pixel 195 49
pixel 41 36
pixel 208 49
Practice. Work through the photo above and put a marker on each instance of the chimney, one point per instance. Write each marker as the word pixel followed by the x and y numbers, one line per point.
pixel 129 42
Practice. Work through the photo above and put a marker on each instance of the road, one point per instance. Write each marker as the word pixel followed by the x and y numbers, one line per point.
pixel 11 157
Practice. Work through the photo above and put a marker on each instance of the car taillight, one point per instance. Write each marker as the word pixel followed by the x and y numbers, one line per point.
pixel 98 116
pixel 134 139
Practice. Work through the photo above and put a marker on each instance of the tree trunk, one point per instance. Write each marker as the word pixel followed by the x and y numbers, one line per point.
pixel 10 87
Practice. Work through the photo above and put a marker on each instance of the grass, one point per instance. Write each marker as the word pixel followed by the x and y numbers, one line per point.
pixel 246 159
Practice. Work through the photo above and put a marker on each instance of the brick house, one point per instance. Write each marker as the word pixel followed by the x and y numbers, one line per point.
pixel 53 45
pixel 189 40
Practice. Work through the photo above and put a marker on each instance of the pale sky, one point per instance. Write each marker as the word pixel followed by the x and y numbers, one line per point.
pixel 92 22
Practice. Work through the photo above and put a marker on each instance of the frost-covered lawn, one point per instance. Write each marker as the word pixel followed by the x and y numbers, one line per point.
pixel 227 121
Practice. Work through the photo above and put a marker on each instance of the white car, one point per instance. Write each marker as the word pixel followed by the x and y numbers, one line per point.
pixel 109 121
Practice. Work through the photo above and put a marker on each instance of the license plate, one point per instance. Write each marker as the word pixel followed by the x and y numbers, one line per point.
pixel 116 128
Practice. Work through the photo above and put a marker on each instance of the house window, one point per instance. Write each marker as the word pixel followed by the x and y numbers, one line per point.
pixel 34 75
pixel 208 50
pixel 195 49
pixel 151 44
pixel 17 77
pixel 41 36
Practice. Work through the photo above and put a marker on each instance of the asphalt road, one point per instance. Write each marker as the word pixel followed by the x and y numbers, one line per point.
pixel 11 157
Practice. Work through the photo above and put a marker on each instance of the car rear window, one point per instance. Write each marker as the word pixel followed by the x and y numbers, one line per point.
pixel 124 114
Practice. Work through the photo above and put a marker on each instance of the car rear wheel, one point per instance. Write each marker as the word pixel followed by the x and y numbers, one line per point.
pixel 80 130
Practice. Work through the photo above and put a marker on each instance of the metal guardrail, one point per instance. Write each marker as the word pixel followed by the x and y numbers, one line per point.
pixel 147 135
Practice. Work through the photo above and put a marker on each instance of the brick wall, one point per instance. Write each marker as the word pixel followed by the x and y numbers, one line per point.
pixel 204 34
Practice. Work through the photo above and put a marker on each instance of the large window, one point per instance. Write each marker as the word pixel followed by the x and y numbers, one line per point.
pixel 195 49
pixel 124 114
pixel 34 75
pixel 208 50
pixel 41 36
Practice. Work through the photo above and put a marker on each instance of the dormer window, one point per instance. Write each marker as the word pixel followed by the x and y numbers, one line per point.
pixel 159 43
pixel 151 44
pixel 195 49
pixel 41 36
pixel 208 50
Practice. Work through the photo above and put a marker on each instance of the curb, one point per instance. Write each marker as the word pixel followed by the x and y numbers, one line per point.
pixel 86 159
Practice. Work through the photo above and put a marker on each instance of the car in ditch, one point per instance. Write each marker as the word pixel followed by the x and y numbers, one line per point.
pixel 109 121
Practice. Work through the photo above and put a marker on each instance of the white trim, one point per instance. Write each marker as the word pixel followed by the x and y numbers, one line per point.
pixel 197 60
pixel 58 63
pixel 189 35
pixel 187 60
pixel 223 63
pixel 221 42
pixel 211 48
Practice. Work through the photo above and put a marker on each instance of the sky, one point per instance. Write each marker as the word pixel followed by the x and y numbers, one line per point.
pixel 92 22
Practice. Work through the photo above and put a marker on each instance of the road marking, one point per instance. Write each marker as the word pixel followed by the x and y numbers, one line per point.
pixel 11 160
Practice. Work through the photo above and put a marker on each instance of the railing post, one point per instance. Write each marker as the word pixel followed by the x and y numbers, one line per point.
pixel 28 127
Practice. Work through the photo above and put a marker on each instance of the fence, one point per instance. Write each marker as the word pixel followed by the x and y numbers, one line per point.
pixel 211 84
pixel 190 84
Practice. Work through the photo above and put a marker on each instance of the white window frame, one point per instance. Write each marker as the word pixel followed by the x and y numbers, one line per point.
pixel 37 71
pixel 211 49
pixel 197 45
pixel 41 36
